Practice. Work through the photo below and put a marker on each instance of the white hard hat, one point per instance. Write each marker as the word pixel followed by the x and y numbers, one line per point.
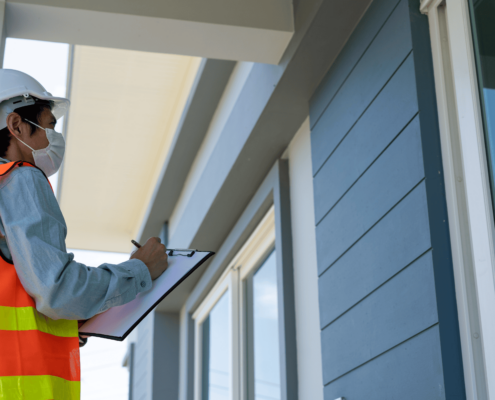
pixel 18 89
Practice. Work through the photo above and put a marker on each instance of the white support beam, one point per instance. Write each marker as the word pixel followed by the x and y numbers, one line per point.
pixel 246 30
pixel 3 36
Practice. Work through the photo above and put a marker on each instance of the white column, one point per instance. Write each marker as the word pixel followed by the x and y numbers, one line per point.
pixel 309 362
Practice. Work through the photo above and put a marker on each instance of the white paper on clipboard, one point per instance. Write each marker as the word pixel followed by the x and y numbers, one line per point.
pixel 117 322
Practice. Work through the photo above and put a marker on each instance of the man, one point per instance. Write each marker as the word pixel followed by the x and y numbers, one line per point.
pixel 43 291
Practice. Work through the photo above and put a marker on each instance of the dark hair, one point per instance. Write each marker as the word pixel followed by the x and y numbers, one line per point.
pixel 32 113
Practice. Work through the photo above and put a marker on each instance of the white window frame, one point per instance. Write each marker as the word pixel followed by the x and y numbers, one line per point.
pixel 467 187
pixel 254 252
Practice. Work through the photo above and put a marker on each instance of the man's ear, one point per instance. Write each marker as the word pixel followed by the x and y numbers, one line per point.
pixel 14 121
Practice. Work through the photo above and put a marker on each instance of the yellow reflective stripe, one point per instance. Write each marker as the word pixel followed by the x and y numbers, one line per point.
pixel 38 387
pixel 28 319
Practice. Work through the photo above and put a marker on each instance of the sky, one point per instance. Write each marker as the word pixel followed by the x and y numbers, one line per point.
pixel 102 374
pixel 25 56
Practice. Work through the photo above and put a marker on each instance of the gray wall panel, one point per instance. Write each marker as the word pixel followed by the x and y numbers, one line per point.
pixel 386 182
pixel 411 371
pixel 166 339
pixel 400 309
pixel 392 244
pixel 367 139
pixel 376 15
pixel 387 52
pixel 383 247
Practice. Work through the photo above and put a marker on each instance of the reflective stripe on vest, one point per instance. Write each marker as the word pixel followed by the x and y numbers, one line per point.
pixel 39 356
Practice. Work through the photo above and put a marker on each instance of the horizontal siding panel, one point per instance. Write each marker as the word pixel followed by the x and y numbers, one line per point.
pixel 389 49
pixel 389 113
pixel 411 371
pixel 384 184
pixel 396 241
pixel 376 15
pixel 398 310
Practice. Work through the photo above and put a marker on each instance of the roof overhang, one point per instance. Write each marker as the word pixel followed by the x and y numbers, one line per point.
pixel 254 30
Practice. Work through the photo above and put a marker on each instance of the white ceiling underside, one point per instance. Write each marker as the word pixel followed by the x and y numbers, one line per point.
pixel 125 109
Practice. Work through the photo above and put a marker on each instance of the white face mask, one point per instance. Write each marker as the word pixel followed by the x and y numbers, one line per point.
pixel 50 158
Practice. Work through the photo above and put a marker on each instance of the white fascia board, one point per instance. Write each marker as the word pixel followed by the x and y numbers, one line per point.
pixel 274 14
pixel 151 33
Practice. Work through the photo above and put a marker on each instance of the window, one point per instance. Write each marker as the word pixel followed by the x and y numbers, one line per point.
pixel 237 352
pixel 215 353
pixel 482 17
pixel 262 323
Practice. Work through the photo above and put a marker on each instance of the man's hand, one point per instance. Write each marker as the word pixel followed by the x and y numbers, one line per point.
pixel 153 254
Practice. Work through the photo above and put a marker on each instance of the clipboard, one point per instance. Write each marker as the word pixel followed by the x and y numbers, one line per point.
pixel 118 322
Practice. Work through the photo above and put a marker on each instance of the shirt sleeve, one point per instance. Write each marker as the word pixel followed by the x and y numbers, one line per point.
pixel 35 231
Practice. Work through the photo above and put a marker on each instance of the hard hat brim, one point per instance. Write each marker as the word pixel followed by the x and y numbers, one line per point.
pixel 60 106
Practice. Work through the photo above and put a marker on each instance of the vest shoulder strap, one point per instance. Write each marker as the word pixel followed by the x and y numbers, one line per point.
pixel 8 167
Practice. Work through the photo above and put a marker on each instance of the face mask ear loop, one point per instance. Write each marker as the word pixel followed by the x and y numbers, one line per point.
pixel 35 124
pixel 22 141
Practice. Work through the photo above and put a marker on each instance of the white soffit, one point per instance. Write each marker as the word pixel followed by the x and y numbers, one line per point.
pixel 126 106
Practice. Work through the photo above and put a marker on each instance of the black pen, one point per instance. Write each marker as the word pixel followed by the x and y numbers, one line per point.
pixel 171 251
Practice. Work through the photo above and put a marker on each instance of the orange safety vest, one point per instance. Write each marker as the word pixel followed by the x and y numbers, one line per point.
pixel 39 356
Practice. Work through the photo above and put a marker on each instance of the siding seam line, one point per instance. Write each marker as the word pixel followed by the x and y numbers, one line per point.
pixel 355 64
pixel 381 354
pixel 364 112
pixel 367 168
pixel 372 226
pixel 378 287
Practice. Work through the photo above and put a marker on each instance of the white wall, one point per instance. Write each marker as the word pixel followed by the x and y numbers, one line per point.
pixel 225 105
pixel 309 364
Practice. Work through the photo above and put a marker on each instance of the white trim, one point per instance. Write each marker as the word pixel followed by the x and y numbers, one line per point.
pixel 235 313
pixel 258 246
pixel 305 266
pixel 65 128
pixel 467 189
pixel 251 255
pixel 209 302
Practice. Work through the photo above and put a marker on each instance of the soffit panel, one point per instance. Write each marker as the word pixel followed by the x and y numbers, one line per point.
pixel 125 108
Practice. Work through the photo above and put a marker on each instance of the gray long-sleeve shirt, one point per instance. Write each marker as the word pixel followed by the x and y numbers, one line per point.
pixel 35 232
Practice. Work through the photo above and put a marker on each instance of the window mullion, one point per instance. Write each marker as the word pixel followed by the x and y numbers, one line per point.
pixel 235 335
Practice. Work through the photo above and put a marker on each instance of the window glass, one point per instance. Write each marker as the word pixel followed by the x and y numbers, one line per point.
pixel 216 354
pixel 482 18
pixel 265 332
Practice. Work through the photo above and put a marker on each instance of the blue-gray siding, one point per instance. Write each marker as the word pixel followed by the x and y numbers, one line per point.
pixel 387 302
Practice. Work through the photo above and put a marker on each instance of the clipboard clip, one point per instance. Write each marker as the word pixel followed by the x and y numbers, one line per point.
pixel 177 252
